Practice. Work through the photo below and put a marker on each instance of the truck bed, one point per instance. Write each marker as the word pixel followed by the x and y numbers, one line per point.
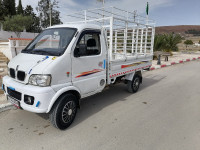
pixel 120 67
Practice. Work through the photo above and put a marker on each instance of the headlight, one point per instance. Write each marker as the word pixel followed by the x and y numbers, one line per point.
pixel 40 80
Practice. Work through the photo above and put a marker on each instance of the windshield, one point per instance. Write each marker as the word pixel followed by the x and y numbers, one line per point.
pixel 51 42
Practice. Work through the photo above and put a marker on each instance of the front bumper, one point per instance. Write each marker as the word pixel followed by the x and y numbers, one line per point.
pixel 42 95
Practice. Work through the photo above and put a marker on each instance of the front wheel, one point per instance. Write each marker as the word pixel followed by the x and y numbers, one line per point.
pixel 64 111
pixel 134 85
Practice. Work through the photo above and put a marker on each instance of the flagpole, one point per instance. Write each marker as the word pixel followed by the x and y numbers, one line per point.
pixel 147 13
pixel 103 10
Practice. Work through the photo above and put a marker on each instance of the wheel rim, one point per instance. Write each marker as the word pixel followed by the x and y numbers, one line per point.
pixel 136 83
pixel 68 112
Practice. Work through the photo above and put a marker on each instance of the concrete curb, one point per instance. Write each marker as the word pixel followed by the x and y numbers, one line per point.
pixel 174 63
pixel 4 107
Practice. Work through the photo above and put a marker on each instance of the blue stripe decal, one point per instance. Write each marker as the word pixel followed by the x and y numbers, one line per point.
pixel 30 71
pixel 38 103
pixel 11 88
pixel 45 58
pixel 104 64
pixel 2 87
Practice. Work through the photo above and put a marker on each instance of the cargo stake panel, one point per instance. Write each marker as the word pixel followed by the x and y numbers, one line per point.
pixel 68 62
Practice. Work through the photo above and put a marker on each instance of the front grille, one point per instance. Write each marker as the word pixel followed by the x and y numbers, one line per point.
pixel 12 72
pixel 21 75
pixel 14 94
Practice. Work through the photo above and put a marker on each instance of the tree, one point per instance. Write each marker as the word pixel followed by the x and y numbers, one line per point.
pixel 45 8
pixel 20 8
pixel 12 7
pixel 28 11
pixel 1 11
pixel 35 27
pixel 17 23
pixel 159 42
pixel 171 42
pixel 9 7
pixel 188 42
pixel 167 42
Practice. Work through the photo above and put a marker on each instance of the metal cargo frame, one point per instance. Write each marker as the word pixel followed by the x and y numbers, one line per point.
pixel 129 35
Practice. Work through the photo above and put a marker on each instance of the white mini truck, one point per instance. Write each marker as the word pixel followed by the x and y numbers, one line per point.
pixel 68 62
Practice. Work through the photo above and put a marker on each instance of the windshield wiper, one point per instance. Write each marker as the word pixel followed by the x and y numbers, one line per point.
pixel 25 51
pixel 44 52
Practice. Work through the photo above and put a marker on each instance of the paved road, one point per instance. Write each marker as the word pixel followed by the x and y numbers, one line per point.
pixel 163 115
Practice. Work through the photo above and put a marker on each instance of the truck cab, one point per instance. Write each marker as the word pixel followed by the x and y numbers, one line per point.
pixel 61 59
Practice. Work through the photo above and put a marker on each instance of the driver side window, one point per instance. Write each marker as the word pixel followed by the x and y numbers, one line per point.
pixel 88 44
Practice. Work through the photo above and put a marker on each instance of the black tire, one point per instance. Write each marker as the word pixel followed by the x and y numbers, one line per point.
pixel 134 85
pixel 64 111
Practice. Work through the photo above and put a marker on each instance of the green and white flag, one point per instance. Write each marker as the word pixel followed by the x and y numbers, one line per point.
pixel 147 8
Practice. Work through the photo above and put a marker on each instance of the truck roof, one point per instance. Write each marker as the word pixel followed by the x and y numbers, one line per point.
pixel 79 26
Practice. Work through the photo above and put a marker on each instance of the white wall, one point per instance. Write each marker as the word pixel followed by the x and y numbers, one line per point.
pixel 4 48
pixel 13 47
pixel 5 35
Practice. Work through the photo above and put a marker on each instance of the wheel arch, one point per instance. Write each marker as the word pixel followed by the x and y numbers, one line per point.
pixel 139 73
pixel 62 92
pixel 131 75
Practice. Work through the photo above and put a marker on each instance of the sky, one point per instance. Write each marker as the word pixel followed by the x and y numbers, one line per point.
pixel 164 12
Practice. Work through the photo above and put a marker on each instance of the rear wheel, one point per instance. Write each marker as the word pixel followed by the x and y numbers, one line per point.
pixel 134 85
pixel 64 111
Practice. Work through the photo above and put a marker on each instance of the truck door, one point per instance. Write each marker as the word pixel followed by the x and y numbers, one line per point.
pixel 88 62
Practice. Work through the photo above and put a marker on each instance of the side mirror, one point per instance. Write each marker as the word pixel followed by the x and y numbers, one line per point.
pixel 80 50
pixel 76 52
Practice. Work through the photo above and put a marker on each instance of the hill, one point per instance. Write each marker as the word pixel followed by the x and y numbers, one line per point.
pixel 181 29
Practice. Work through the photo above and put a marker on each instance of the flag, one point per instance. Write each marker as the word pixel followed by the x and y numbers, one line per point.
pixel 147 8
